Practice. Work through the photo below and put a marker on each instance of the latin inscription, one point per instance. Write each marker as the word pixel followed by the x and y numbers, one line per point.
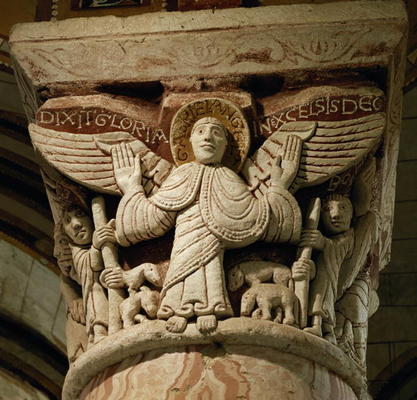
pixel 98 120
pixel 324 108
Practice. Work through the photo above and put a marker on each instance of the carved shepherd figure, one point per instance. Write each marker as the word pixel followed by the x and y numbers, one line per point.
pixel 85 245
pixel 342 252
pixel 212 209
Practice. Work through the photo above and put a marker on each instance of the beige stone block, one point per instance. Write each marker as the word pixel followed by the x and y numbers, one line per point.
pixel 13 387
pixel 42 298
pixel 407 180
pixel 58 327
pixel 378 357
pixel 392 324
pixel 405 220
pixel 31 359
pixel 408 138
pixel 403 256
pixel 14 258
pixel 14 271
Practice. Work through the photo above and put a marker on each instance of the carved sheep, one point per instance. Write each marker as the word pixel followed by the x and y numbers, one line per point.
pixel 254 272
pixel 116 278
pixel 145 299
pixel 271 298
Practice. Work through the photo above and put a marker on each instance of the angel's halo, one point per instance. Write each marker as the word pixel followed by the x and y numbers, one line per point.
pixel 230 115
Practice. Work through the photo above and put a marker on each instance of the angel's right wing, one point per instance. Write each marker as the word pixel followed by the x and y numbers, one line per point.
pixel 86 158
pixel 74 135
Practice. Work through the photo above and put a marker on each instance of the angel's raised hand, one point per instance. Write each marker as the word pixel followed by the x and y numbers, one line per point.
pixel 276 172
pixel 136 177
pixel 123 165
pixel 290 159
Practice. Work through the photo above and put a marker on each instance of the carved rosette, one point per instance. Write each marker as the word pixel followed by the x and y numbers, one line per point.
pixel 229 227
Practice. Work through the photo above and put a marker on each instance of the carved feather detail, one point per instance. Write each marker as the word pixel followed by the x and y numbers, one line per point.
pixel 86 158
pixel 329 148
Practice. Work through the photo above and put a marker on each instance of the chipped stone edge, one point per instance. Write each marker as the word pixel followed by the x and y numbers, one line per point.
pixel 235 18
pixel 239 331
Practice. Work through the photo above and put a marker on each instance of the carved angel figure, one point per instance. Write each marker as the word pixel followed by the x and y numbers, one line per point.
pixel 212 209
pixel 210 205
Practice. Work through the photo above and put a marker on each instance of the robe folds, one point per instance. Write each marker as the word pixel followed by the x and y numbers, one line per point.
pixel 212 210
pixel 324 287
pixel 87 265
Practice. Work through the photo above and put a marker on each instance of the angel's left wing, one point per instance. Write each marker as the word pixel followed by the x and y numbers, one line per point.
pixel 329 148
pixel 257 168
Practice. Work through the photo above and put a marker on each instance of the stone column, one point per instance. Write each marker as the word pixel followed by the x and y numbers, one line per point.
pixel 222 185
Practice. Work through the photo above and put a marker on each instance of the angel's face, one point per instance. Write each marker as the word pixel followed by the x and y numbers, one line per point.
pixel 337 215
pixel 209 142
pixel 78 226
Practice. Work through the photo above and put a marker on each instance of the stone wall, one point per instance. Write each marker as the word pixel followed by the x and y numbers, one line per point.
pixel 29 293
pixel 392 344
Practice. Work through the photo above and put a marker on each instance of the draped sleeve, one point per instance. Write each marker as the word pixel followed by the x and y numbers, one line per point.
pixel 86 261
pixel 139 219
pixel 284 217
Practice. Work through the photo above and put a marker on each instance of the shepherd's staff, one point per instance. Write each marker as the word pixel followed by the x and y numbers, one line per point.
pixel 301 287
pixel 109 253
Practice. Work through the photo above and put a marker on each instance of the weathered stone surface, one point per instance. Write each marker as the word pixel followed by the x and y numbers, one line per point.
pixel 30 293
pixel 217 372
pixel 13 387
pixel 246 132
pixel 14 273
pixel 232 41
pixel 187 5
pixel 286 342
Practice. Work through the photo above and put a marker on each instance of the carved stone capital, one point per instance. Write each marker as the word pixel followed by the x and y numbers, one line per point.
pixel 222 185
